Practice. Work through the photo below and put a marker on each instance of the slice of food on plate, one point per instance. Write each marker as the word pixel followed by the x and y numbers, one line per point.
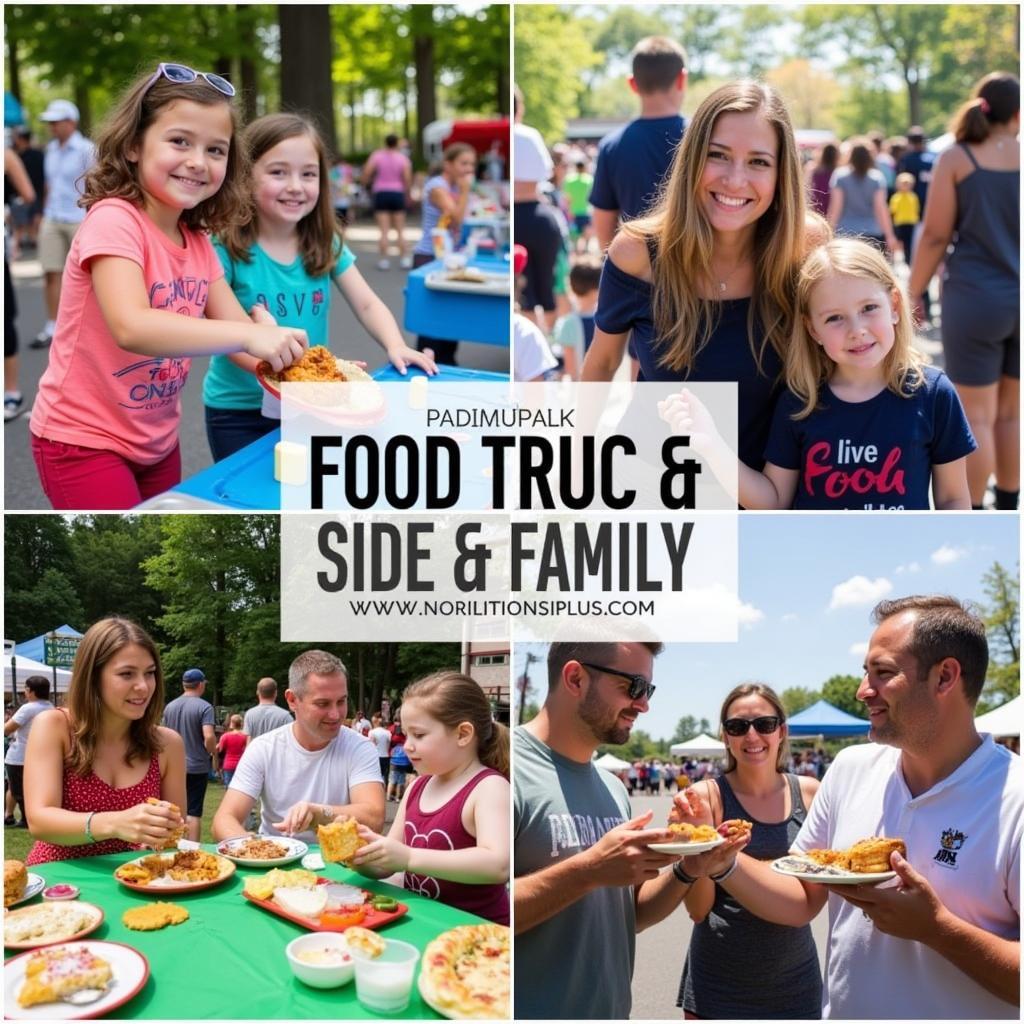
pixel 49 922
pixel 301 902
pixel 261 887
pixel 871 856
pixel 339 840
pixel 318 365
pixel 60 971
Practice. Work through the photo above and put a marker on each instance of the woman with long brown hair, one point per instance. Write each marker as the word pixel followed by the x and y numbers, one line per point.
pixel 974 196
pixel 706 280
pixel 91 767
pixel 739 966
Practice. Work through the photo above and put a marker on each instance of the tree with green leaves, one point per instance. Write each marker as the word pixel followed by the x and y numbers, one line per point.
pixel 687 727
pixel 796 698
pixel 1001 615
pixel 841 692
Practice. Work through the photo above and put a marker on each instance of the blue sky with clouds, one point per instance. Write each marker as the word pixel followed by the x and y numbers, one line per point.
pixel 807 587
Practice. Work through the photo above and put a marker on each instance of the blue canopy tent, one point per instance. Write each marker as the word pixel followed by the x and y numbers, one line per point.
pixel 824 719
pixel 34 648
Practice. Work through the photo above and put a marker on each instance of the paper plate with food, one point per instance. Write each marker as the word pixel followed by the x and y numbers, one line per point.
pixel 864 863
pixel 20 884
pixel 693 839
pixel 48 923
pixel 320 904
pixel 262 851
pixel 362 402
pixel 73 981
pixel 470 279
pixel 465 973
pixel 184 871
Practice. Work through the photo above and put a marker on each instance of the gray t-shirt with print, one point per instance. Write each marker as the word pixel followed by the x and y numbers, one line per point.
pixel 578 963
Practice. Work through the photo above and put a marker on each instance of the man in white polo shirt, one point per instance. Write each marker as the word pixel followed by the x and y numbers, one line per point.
pixel 308 773
pixel 67 157
pixel 944 942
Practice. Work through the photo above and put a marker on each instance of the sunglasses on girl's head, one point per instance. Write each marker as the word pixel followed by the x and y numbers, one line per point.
pixel 638 685
pixel 182 75
pixel 765 724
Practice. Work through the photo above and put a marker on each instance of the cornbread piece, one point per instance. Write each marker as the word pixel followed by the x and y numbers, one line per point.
pixel 153 916
pixel 134 873
pixel 261 887
pixel 870 856
pixel 59 971
pixel 366 942
pixel 172 840
pixel 339 840
pixel 734 827
pixel 15 880
pixel 688 833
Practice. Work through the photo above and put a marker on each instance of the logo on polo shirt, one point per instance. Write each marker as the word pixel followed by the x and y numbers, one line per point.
pixel 949 846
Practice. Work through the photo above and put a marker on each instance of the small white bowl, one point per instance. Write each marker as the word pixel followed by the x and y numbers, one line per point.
pixel 321 975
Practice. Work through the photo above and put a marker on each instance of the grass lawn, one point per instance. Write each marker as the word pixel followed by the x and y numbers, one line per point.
pixel 17 841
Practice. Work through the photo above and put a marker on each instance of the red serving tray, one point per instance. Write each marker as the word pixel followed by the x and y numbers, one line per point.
pixel 374 918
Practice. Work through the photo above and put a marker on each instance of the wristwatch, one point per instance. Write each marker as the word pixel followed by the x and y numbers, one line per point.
pixel 726 873
pixel 327 813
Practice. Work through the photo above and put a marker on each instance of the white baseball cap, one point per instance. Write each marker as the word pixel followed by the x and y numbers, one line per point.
pixel 60 110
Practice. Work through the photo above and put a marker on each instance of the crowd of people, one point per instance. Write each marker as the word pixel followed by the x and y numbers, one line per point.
pixel 940 940
pixel 704 248
pixel 178 234
pixel 108 771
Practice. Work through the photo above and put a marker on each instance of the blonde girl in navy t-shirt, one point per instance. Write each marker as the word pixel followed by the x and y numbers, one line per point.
pixel 864 424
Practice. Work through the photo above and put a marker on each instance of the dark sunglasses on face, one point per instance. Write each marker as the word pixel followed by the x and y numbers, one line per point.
pixel 638 685
pixel 182 75
pixel 764 724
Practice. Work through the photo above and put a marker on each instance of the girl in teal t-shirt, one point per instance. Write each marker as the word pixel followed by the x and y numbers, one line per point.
pixel 284 261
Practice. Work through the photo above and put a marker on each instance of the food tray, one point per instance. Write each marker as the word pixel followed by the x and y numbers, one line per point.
pixel 374 918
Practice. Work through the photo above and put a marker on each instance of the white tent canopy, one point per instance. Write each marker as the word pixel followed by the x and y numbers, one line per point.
pixel 700 746
pixel 25 667
pixel 1003 720
pixel 611 763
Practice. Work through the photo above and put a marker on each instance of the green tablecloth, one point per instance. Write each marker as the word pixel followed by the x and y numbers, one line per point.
pixel 227 960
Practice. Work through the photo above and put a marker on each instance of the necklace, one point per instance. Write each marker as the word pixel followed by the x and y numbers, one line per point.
pixel 723 282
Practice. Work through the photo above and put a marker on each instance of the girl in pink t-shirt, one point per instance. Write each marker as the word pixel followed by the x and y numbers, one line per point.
pixel 388 172
pixel 451 833
pixel 143 291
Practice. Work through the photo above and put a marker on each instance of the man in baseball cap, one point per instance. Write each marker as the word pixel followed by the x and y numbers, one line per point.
pixel 192 719
pixel 67 158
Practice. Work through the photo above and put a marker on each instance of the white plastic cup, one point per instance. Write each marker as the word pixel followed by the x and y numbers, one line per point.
pixel 384 983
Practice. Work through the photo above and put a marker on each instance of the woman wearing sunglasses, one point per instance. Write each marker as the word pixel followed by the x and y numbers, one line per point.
pixel 739 966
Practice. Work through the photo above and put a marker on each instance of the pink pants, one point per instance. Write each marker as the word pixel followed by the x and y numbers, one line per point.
pixel 77 479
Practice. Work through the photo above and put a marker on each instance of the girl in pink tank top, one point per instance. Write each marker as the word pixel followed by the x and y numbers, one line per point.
pixel 451 834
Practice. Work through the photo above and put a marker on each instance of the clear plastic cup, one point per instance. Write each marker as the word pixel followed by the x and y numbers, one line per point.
pixel 384 983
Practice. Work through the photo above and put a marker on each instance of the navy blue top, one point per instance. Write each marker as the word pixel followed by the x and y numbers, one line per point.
pixel 632 161
pixel 624 304
pixel 873 454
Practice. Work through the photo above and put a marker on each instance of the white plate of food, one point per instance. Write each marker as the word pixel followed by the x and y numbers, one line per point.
pixel 262 851
pixel 48 923
pixel 470 280
pixel 687 849
pixel 105 975
pixel 184 871
pixel 34 885
pixel 808 870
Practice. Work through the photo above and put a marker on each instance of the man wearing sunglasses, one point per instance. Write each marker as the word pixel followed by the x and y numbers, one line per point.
pixel 586 880
pixel 942 940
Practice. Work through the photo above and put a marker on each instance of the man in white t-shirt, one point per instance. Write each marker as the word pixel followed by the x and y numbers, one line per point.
pixel 310 772
pixel 943 941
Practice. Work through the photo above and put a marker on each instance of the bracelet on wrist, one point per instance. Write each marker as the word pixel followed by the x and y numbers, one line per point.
pixel 88 827
pixel 680 873
pixel 726 873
